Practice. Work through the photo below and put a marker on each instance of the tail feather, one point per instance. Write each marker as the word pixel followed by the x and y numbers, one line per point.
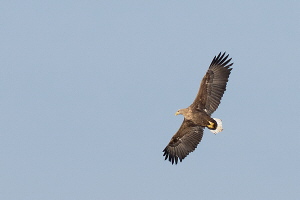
pixel 219 127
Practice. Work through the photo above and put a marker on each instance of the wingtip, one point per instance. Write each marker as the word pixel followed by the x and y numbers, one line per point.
pixel 221 60
pixel 173 159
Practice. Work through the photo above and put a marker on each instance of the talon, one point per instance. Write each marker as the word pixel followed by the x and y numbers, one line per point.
pixel 211 125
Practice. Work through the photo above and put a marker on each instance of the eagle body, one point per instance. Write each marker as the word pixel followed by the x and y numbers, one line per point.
pixel 198 115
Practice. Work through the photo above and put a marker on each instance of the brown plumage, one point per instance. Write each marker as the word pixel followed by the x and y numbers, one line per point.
pixel 198 115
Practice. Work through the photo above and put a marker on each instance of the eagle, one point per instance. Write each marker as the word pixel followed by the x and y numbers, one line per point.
pixel 198 115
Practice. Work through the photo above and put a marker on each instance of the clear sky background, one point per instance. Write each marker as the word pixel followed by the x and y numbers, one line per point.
pixel 89 90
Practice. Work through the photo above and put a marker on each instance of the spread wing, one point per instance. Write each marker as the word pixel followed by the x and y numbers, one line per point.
pixel 183 142
pixel 213 84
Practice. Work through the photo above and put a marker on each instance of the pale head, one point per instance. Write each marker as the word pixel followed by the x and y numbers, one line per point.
pixel 181 111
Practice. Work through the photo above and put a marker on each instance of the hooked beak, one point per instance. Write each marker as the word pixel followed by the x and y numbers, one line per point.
pixel 177 113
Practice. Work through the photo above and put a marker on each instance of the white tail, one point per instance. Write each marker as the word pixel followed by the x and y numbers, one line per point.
pixel 219 127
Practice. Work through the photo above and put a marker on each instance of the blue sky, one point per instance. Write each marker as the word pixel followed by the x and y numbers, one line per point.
pixel 89 90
